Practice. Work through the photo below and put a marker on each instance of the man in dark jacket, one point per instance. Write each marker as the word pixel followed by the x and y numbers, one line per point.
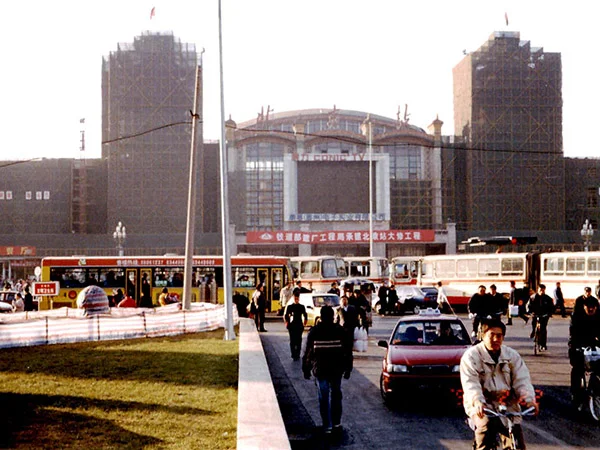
pixel 295 318
pixel 584 331
pixel 541 307
pixel 559 300
pixel 348 317
pixel 478 308
pixel 28 300
pixel 328 356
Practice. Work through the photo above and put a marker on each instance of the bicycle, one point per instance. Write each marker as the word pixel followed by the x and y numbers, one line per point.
pixel 478 337
pixel 590 382
pixel 507 420
pixel 537 348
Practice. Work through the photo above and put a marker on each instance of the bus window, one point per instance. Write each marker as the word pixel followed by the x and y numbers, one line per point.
pixel 68 277
pixel 593 266
pixel 512 266
pixel 401 271
pixel 466 268
pixel 244 277
pixel 554 266
pixel 330 268
pixel 308 268
pixel 445 269
pixel 575 266
pixel 384 267
pixel 277 282
pixel 112 277
pixel 341 269
pixel 489 267
pixel 427 270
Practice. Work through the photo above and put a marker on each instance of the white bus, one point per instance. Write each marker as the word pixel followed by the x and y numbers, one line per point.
pixel 462 274
pixel 318 272
pixel 375 269
pixel 574 271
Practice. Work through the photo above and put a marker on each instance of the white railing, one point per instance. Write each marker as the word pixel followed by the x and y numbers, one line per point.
pixel 68 325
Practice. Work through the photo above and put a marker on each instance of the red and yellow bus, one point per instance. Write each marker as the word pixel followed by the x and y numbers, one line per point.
pixel 127 272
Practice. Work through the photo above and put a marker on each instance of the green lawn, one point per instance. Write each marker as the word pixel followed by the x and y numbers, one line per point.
pixel 168 393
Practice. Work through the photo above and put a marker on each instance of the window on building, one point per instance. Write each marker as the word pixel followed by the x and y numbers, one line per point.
pixel 592 198
pixel 264 185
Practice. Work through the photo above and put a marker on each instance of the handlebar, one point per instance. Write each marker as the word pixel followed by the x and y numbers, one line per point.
pixel 495 315
pixel 491 413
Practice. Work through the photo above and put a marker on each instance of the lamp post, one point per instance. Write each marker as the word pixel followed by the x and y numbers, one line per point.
pixel 587 233
pixel 119 235
pixel 367 130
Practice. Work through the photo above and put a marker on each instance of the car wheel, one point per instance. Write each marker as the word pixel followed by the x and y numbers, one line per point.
pixel 386 396
pixel 378 308
pixel 416 309
pixel 317 320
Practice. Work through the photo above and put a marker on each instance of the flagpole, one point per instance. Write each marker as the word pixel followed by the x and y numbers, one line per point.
pixel 227 297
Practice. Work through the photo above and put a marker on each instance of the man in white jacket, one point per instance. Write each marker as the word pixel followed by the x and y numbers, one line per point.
pixel 493 374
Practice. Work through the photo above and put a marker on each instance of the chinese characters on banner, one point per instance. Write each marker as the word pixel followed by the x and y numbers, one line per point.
pixel 17 250
pixel 338 237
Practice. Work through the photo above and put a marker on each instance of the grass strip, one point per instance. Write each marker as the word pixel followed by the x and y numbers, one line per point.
pixel 161 393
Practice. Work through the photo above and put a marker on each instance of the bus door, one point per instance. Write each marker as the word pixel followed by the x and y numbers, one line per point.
pixel 263 277
pixel 145 274
pixel 277 278
pixel 132 288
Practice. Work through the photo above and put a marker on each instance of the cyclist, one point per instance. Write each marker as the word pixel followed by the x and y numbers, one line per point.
pixel 492 374
pixel 578 306
pixel 478 307
pixel 541 307
pixel 584 331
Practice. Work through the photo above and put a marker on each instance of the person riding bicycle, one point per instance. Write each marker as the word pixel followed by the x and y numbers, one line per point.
pixel 541 307
pixel 482 305
pixel 584 331
pixel 492 374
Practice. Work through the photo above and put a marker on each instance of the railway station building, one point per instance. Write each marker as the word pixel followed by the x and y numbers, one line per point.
pixel 303 182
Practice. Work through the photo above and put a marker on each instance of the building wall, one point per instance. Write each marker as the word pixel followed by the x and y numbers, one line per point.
pixel 508 104
pixel 149 84
pixel 35 197
pixel 583 192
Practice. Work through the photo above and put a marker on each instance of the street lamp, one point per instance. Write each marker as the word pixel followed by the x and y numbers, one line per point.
pixel 587 233
pixel 119 235
pixel 367 130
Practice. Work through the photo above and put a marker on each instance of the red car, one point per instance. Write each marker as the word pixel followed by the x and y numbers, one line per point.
pixel 424 350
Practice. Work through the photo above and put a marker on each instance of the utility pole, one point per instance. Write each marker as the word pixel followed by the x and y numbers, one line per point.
pixel 191 207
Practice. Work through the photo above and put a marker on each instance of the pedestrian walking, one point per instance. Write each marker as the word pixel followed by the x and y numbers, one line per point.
pixel 260 302
pixel 328 357
pixel 559 300
pixel 295 318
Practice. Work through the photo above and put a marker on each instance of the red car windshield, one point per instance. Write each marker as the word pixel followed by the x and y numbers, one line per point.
pixel 431 333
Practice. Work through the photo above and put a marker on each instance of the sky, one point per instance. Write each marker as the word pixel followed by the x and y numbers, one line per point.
pixel 373 56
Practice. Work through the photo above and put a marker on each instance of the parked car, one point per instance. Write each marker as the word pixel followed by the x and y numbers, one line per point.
pixel 413 299
pixel 313 301
pixel 6 301
pixel 424 350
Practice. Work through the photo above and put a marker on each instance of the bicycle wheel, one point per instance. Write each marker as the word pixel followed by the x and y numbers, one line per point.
pixel 594 397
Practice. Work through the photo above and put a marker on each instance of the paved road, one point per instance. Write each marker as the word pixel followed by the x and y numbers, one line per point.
pixel 423 420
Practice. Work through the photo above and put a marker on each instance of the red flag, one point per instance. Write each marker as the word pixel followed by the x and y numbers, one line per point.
pixel 505 17
pixel 152 12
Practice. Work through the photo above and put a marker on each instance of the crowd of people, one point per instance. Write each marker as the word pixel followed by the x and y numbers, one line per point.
pixel 23 299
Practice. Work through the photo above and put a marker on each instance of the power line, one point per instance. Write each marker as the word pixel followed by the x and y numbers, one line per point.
pixel 141 133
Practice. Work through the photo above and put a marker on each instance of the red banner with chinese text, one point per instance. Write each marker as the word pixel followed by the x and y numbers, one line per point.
pixel 339 237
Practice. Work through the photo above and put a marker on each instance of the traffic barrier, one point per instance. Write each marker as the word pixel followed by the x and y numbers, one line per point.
pixel 68 325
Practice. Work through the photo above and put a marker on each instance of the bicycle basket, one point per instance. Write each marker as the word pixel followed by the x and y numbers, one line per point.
pixel 591 358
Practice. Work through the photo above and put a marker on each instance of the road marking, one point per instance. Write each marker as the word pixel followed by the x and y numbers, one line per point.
pixel 548 436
